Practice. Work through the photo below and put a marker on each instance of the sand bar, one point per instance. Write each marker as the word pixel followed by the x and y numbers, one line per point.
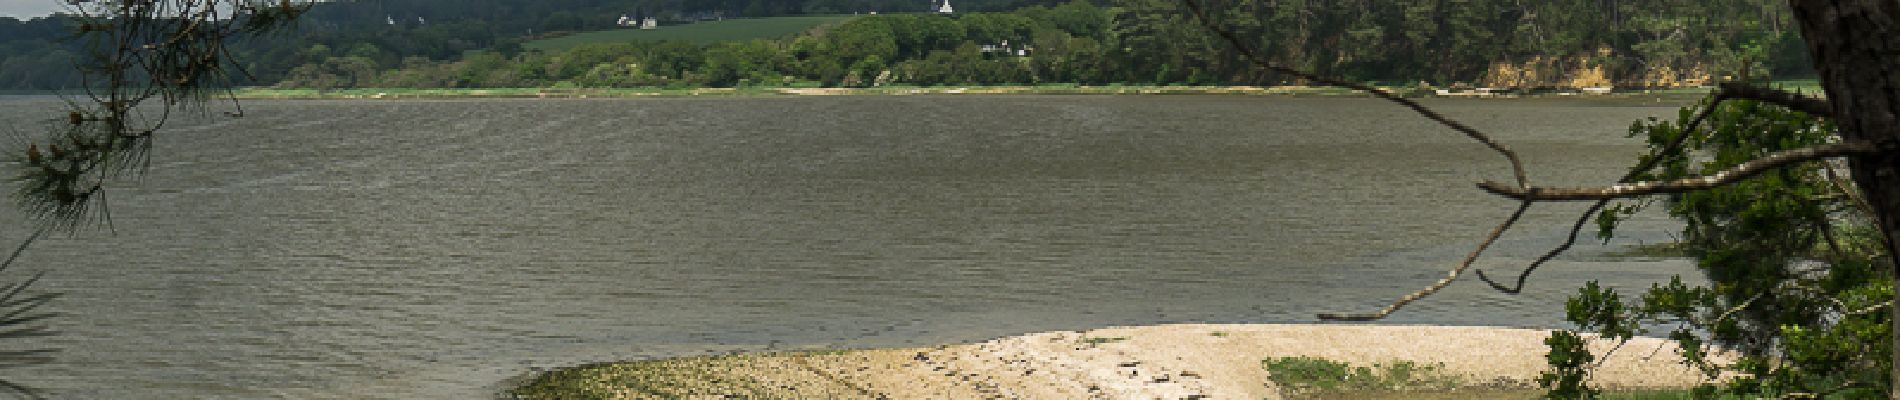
pixel 1146 362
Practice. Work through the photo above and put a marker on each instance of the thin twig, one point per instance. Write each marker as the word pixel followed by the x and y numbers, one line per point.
pixel 1442 283
pixel 1737 308
pixel 1642 167
pixel 1659 346
pixel 1834 177
pixel 22 249
pixel 1529 194
pixel 1517 167
pixel 1606 355
pixel 1724 316
pixel 1718 179
pixel 1863 310
pixel 1727 91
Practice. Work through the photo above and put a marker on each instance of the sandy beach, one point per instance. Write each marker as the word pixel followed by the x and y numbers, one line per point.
pixel 1146 362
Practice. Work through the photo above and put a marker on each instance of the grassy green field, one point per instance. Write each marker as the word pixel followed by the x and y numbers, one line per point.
pixel 703 32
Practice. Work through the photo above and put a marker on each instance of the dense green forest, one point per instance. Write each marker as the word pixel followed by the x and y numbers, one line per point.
pixel 37 53
pixel 479 43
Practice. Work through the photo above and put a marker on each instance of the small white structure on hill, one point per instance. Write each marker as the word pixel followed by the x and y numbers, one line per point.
pixel 1006 49
pixel 630 22
pixel 945 9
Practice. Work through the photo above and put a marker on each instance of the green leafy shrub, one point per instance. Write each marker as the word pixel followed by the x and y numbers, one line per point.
pixel 1569 374
pixel 1797 270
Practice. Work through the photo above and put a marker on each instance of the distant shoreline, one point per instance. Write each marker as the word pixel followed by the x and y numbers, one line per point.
pixel 611 93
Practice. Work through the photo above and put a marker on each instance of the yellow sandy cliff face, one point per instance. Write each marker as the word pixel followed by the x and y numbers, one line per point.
pixel 1586 71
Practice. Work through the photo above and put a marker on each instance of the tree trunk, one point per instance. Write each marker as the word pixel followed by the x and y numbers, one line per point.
pixel 1856 49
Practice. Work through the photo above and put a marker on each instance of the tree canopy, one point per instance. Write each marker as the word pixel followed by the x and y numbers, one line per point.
pixel 1630 42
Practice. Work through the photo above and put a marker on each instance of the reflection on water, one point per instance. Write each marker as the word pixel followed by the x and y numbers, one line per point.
pixel 407 249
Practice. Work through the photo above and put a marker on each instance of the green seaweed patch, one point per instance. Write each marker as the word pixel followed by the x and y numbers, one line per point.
pixel 1313 378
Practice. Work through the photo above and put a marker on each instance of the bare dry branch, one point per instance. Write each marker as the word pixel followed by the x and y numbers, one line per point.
pixel 1645 165
pixel 1517 167
pixel 1725 177
pixel 1835 178
pixel 1529 194
pixel 1661 345
pixel 1605 359
pixel 1652 353
pixel 1440 285
pixel 1738 308
pixel 1862 310
pixel 1552 254
pixel 1728 91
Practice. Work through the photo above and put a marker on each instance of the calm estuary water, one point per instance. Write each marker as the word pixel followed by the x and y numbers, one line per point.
pixel 432 249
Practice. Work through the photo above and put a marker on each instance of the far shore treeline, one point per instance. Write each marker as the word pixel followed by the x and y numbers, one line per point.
pixel 504 44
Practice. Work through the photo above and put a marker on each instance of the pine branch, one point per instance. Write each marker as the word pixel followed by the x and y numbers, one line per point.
pixel 1793 101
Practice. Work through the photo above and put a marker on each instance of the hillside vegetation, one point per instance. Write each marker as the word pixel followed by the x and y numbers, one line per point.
pixel 699 33
pixel 37 53
pixel 1491 43
pixel 505 43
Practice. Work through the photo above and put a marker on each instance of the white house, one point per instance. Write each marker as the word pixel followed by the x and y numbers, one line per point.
pixel 945 9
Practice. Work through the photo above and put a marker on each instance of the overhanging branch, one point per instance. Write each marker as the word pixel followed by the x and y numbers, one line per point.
pixel 1642 166
pixel 1529 194
pixel 1724 177
pixel 1793 101
pixel 1517 166
pixel 1727 91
